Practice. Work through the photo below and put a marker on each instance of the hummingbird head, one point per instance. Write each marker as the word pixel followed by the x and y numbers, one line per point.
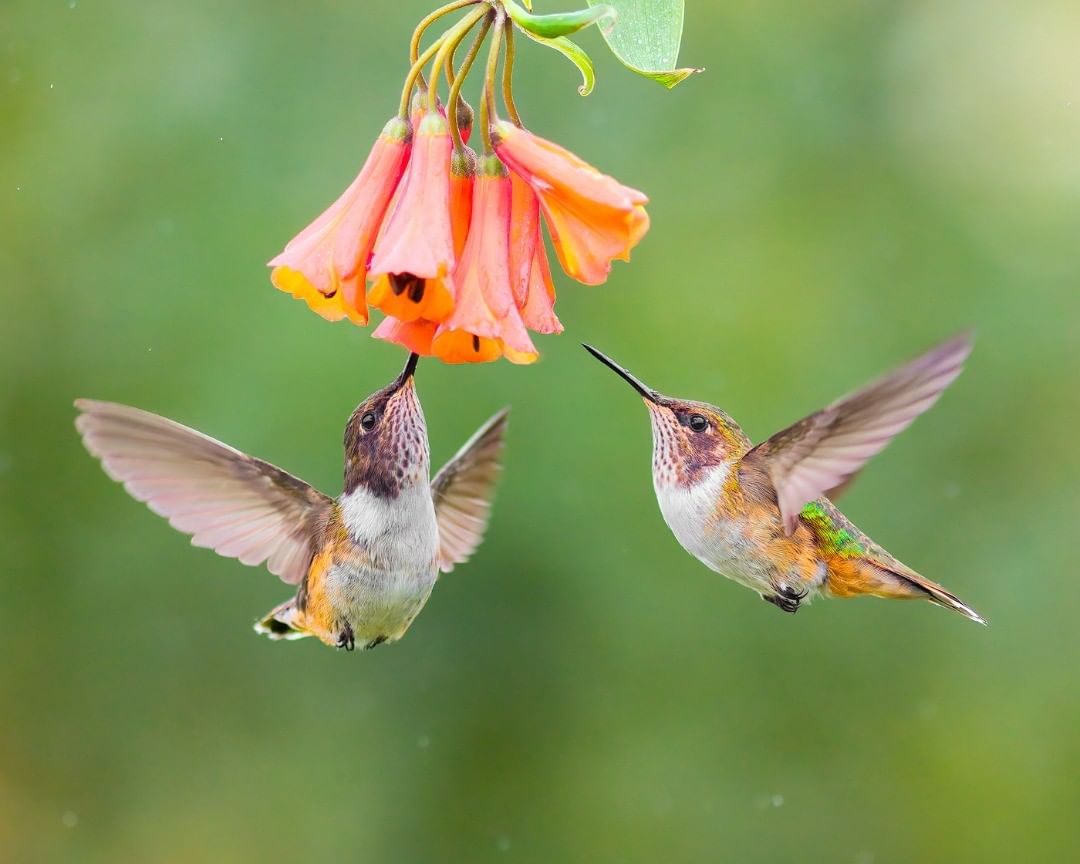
pixel 386 444
pixel 689 438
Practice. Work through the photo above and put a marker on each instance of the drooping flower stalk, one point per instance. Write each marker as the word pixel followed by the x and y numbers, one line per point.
pixel 453 39
pixel 488 114
pixel 508 75
pixel 422 27
pixel 453 36
pixel 454 100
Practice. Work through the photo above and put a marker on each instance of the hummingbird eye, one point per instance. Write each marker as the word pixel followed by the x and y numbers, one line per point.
pixel 367 422
pixel 698 423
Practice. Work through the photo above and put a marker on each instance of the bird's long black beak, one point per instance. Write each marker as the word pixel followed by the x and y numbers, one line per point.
pixel 646 392
pixel 408 371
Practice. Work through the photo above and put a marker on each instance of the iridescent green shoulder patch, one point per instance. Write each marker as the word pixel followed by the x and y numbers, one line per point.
pixel 838 541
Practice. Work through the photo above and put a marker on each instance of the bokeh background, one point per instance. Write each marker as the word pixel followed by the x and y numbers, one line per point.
pixel 848 183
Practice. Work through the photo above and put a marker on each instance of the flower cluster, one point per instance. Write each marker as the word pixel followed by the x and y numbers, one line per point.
pixel 450 241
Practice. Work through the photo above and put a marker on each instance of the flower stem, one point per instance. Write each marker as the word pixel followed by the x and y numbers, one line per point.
pixel 415 73
pixel 450 40
pixel 508 75
pixel 488 114
pixel 459 80
pixel 421 28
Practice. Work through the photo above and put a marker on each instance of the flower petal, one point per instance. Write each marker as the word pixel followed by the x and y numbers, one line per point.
pixel 409 298
pixel 335 306
pixel 538 312
pixel 524 235
pixel 418 237
pixel 414 335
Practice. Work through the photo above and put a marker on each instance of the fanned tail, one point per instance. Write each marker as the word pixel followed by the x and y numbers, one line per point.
pixel 281 622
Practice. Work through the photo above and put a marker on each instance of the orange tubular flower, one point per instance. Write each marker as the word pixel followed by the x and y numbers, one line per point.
pixel 485 323
pixel 326 263
pixel 462 177
pixel 414 255
pixel 530 275
pixel 593 219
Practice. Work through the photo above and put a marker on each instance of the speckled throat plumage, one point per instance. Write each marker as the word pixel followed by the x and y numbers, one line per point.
pixel 394 455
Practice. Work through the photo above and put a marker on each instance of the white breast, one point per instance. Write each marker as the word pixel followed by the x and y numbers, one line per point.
pixel 691 513
pixel 401 538
pixel 397 533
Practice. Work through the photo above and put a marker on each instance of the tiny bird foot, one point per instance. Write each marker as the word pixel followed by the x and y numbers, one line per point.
pixel 346 640
pixel 787 599
pixel 376 642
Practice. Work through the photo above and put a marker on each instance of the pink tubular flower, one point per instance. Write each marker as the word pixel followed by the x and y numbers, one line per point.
pixel 593 219
pixel 530 275
pixel 486 323
pixel 414 255
pixel 326 263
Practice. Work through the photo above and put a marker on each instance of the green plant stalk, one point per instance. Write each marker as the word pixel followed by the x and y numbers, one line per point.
pixel 452 39
pixel 459 80
pixel 508 75
pixel 421 28
pixel 488 114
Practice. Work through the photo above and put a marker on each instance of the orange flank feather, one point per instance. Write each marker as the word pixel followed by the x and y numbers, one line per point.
pixel 854 577
pixel 315 615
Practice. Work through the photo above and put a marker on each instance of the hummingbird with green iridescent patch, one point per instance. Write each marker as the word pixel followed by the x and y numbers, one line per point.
pixel 763 516
pixel 364 563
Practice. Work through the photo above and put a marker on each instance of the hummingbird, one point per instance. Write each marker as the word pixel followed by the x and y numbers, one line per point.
pixel 364 563
pixel 763 515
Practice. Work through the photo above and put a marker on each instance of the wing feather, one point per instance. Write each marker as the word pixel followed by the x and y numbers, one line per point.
pixel 239 506
pixel 463 490
pixel 823 452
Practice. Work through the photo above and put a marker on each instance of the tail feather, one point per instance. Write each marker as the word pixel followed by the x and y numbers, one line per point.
pixel 852 577
pixel 939 596
pixel 281 623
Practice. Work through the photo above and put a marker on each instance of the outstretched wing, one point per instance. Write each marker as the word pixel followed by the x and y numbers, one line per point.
pixel 463 490
pixel 825 450
pixel 227 501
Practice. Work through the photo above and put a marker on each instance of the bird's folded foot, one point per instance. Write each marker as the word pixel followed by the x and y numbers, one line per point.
pixel 787 599
pixel 346 640
pixel 375 643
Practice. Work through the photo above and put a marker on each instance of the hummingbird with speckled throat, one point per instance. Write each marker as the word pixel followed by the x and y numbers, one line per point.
pixel 764 516
pixel 365 562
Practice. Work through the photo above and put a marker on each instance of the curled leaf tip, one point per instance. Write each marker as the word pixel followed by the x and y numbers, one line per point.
pixel 576 55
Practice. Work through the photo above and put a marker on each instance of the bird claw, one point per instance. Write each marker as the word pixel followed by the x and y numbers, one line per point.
pixel 346 639
pixel 786 599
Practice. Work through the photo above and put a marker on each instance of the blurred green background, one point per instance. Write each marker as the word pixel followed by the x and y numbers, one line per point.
pixel 848 183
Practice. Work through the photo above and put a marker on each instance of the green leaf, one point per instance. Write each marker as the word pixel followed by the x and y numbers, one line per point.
pixel 645 36
pixel 559 24
pixel 576 55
